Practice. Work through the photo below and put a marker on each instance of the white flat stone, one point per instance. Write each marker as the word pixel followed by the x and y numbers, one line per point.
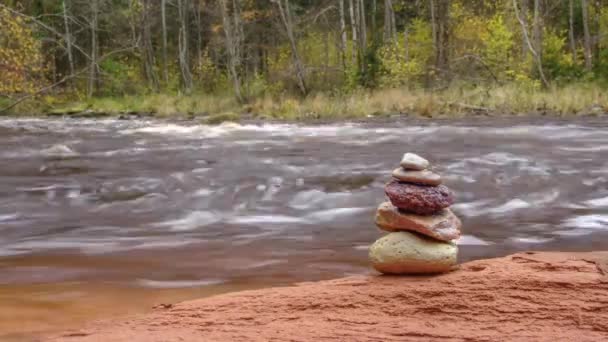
pixel 411 161
pixel 425 177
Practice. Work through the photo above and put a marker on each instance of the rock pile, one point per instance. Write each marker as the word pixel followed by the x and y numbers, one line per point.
pixel 420 223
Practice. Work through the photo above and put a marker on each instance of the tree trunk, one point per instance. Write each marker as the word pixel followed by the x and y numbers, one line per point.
pixel 440 15
pixel 199 28
pixel 571 30
pixel 362 32
pixel 354 24
pixel 342 33
pixel 393 21
pixel 183 47
pixel 362 29
pixel 587 36
pixel 134 22
pixel 163 16
pixel 93 25
pixel 68 40
pixel 434 27
pixel 232 46
pixel 285 14
pixel 406 45
pixel 326 52
pixel 537 29
pixel 597 38
pixel 444 33
pixel 146 47
pixel 390 31
pixel 601 34
pixel 535 54
pixel 238 24
pixel 373 18
pixel 524 18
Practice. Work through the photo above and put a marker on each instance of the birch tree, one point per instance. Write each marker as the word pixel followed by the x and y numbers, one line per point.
pixel 374 12
pixel 537 29
pixel 440 30
pixel 199 28
pixel 571 35
pixel 145 45
pixel 524 18
pixel 68 38
pixel 531 48
pixel 183 46
pixel 93 27
pixel 343 34
pixel 390 29
pixel 231 22
pixel 586 36
pixel 353 25
pixel 285 13
pixel 362 31
pixel 163 16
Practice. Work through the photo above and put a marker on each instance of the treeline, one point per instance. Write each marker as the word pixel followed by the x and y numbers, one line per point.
pixel 268 47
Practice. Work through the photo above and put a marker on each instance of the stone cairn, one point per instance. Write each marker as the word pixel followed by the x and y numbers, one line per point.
pixel 420 224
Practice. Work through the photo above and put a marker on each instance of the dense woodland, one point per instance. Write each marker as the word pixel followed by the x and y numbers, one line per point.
pixel 249 49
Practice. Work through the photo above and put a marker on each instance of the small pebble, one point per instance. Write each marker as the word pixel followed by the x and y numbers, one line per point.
pixel 411 161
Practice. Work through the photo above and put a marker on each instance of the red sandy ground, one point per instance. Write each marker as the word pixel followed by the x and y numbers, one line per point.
pixel 523 297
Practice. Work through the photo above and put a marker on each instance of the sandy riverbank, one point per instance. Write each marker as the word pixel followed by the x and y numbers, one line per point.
pixel 525 296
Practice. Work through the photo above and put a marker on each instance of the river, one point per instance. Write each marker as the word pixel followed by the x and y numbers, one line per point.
pixel 107 217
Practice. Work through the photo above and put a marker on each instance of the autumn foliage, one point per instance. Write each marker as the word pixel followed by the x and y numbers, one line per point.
pixel 21 60
pixel 283 50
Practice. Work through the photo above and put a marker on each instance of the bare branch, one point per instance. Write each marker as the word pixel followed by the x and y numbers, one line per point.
pixel 537 58
pixel 61 81
pixel 46 27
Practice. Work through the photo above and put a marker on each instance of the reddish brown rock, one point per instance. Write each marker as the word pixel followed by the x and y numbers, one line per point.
pixel 523 297
pixel 419 199
pixel 443 225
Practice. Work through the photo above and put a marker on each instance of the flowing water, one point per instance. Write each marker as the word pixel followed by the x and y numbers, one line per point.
pixel 106 217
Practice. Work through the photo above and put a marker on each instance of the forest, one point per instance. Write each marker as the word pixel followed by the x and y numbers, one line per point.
pixel 299 59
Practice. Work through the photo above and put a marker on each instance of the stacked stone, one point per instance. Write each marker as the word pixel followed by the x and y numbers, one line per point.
pixel 420 223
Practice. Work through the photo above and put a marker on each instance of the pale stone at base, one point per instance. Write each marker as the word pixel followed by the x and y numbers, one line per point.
pixel 410 253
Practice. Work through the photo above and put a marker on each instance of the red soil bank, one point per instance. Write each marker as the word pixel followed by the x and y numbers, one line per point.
pixel 523 297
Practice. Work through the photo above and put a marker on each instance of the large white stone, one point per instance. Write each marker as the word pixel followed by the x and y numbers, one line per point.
pixel 411 161
pixel 410 253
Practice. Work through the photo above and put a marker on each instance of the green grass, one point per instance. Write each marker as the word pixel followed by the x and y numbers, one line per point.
pixel 161 105
pixel 456 101
pixel 452 102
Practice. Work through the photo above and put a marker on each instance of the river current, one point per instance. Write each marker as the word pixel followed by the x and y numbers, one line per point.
pixel 177 205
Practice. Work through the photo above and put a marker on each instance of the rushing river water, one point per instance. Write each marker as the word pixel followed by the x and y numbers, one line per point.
pixel 157 205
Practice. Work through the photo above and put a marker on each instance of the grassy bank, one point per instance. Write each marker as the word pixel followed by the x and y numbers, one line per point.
pixel 575 99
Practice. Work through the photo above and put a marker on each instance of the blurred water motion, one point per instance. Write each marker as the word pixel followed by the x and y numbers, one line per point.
pixel 168 205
